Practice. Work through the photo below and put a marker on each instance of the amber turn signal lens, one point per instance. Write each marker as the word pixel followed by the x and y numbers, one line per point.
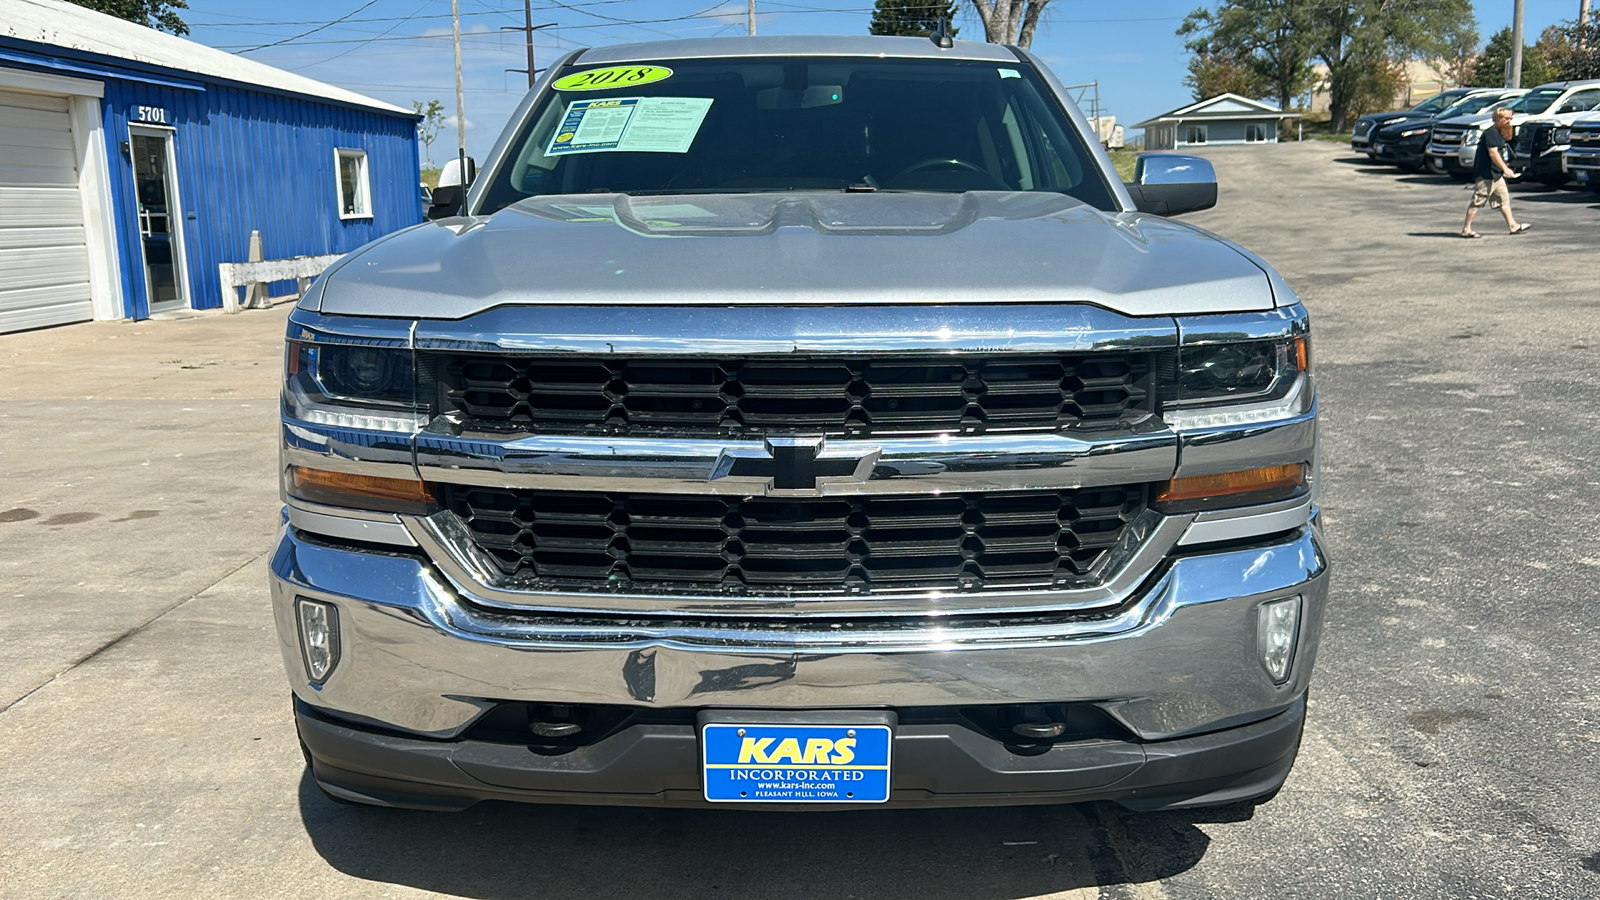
pixel 359 491
pixel 1300 353
pixel 1276 479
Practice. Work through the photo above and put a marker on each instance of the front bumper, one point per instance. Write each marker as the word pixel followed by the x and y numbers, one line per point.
pixel 1583 164
pixel 1175 667
pixel 935 765
pixel 1404 151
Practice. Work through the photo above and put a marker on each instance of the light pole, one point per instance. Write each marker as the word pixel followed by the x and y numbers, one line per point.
pixel 461 94
pixel 1516 45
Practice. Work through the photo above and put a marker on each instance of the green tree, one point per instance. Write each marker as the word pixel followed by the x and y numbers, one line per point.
pixel 1461 53
pixel 1211 74
pixel 1270 38
pixel 428 128
pixel 1358 39
pixel 1377 83
pixel 1571 52
pixel 161 14
pixel 1490 70
pixel 911 18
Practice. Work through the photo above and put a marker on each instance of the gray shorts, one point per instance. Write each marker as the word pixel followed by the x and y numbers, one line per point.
pixel 1490 191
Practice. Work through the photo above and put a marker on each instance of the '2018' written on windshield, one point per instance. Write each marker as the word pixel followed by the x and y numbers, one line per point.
pixel 612 77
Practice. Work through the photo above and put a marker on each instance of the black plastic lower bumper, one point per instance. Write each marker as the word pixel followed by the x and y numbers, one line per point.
pixel 934 765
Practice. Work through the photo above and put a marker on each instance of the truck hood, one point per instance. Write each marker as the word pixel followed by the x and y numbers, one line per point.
pixel 794 248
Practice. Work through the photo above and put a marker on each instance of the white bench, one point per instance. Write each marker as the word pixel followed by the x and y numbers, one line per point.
pixel 237 275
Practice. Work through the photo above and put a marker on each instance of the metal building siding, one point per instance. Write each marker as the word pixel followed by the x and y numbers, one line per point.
pixel 254 160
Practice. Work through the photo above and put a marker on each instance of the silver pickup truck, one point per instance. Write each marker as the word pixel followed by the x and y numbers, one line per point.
pixel 801 421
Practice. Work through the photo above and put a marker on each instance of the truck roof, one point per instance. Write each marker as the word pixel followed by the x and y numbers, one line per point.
pixel 795 45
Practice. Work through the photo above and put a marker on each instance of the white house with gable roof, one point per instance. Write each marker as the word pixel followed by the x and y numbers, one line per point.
pixel 1223 119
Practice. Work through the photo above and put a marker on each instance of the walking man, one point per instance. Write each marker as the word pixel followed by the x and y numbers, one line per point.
pixel 1490 173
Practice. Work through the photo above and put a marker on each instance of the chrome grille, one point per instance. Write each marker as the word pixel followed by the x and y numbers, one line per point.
pixel 1585 135
pixel 857 396
pixel 1363 128
pixel 581 541
pixel 1448 137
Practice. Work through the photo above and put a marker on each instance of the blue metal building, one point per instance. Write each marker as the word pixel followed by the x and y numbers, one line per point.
pixel 133 162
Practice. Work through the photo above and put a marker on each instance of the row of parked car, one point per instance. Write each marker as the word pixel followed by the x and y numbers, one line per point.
pixel 1556 140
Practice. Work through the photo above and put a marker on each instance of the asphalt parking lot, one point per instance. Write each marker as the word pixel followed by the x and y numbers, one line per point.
pixel 1454 734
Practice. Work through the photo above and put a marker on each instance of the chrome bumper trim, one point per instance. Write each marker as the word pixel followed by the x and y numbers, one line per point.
pixel 350 525
pixel 1145 542
pixel 1233 524
pixel 1180 659
pixel 354 451
pixel 1144 452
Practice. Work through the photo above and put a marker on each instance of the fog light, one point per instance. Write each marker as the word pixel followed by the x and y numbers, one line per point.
pixel 1277 627
pixel 319 638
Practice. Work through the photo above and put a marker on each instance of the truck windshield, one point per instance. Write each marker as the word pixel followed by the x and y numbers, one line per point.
pixel 1470 105
pixel 797 124
pixel 1536 102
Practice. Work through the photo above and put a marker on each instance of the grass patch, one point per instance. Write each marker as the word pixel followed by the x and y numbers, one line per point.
pixel 1124 160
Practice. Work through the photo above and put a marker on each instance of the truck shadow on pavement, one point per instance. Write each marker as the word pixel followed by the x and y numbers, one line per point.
pixel 504 850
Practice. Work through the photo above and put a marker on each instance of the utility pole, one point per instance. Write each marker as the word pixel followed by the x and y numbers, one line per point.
pixel 461 101
pixel 751 18
pixel 528 28
pixel 1516 45
pixel 1583 22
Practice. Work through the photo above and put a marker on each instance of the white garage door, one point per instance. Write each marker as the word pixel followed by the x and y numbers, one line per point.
pixel 44 265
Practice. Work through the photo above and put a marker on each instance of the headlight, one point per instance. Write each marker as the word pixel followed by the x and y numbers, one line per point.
pixel 351 386
pixel 1562 136
pixel 1237 371
pixel 1471 137
pixel 1391 121
pixel 1413 132
pixel 1240 383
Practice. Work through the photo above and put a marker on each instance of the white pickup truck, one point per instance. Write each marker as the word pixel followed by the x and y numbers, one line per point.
pixel 1538 116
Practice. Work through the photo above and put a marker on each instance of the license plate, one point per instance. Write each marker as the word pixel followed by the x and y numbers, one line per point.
pixel 764 763
pixel 1581 174
pixel 1377 148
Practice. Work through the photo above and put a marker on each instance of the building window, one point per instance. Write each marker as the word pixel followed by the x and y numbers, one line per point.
pixel 1194 134
pixel 1254 134
pixel 355 194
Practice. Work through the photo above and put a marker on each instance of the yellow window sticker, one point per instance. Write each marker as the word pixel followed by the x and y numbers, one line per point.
pixel 612 77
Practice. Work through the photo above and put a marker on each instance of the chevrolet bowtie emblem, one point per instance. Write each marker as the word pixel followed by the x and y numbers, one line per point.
pixel 793 466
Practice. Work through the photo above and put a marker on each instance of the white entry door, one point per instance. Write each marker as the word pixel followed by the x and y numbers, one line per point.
pixel 44 264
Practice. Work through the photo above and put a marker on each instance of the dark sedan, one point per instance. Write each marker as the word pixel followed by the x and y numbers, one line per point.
pixel 1361 133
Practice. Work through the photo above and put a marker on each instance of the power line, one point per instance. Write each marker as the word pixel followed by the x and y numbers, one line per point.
pixel 256 23
pixel 362 44
pixel 314 30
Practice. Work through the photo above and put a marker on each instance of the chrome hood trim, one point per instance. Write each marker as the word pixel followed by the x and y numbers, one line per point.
pixel 797 249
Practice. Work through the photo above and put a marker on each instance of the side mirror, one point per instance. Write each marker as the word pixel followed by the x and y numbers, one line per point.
pixel 446 201
pixel 1167 184
pixel 452 176
pixel 450 197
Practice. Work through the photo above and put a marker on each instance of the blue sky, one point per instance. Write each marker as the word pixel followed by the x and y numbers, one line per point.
pixel 399 50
